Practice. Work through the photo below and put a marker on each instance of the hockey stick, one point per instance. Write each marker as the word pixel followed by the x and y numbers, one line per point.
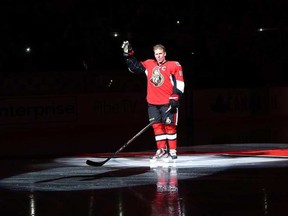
pixel 94 163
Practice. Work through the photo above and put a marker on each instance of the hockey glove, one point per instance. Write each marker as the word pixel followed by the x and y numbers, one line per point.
pixel 127 49
pixel 174 102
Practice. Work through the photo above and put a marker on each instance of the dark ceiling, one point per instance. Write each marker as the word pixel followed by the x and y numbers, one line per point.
pixel 212 37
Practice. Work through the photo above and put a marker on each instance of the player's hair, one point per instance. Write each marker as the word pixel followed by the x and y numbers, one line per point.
pixel 159 46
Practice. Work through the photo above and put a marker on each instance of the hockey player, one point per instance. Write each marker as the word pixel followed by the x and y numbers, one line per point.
pixel 165 86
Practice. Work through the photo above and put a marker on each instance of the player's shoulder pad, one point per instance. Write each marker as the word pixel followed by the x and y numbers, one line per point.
pixel 174 63
pixel 149 61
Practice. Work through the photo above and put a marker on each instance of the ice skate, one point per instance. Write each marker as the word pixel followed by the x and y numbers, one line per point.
pixel 160 156
pixel 173 154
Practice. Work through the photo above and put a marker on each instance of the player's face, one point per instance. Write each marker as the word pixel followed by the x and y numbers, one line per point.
pixel 159 55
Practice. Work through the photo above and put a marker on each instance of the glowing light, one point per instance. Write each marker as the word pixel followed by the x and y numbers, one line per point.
pixel 110 83
pixel 28 50
pixel 32 205
pixel 266 29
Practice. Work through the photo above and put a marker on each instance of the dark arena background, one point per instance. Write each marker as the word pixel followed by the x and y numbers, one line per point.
pixel 66 96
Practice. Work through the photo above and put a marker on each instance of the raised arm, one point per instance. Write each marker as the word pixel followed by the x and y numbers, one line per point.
pixel 134 66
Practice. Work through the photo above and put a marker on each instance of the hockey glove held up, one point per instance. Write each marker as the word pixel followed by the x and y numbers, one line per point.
pixel 174 102
pixel 127 49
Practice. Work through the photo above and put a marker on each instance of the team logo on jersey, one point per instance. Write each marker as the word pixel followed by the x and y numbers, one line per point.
pixel 157 78
pixel 168 120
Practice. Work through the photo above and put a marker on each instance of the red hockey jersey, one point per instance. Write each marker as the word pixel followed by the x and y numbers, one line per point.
pixel 161 80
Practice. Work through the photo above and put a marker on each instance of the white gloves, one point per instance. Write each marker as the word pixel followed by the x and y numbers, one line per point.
pixel 127 49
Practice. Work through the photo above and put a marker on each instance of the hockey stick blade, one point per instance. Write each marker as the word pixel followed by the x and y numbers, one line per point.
pixel 95 163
